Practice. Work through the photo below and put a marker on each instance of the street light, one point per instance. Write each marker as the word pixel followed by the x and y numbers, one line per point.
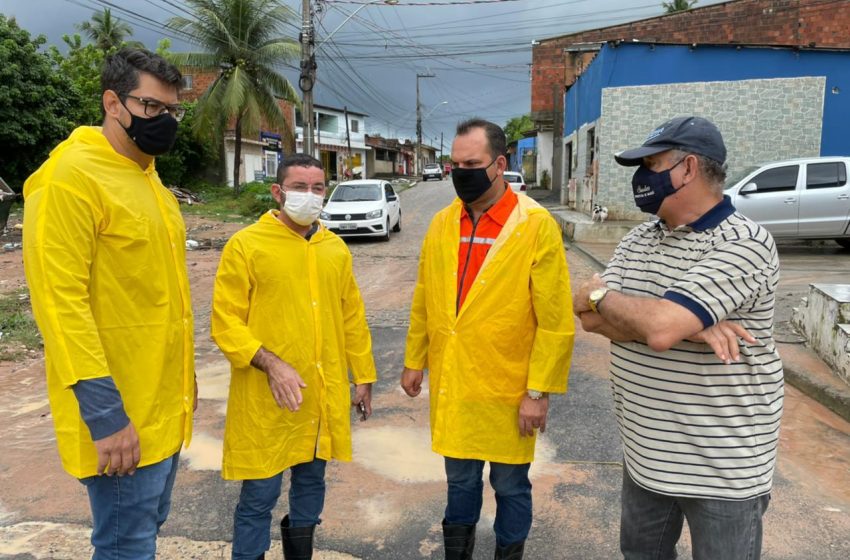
pixel 433 108
pixel 308 65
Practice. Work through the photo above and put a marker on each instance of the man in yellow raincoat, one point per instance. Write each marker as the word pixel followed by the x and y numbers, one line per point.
pixel 288 315
pixel 492 320
pixel 104 255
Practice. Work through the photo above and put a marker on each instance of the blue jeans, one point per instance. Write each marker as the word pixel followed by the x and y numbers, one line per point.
pixel 127 511
pixel 253 516
pixel 651 524
pixel 513 497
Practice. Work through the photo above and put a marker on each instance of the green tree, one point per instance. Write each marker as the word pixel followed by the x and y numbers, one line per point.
pixel 82 64
pixel 242 41
pixel 678 5
pixel 105 31
pixel 38 105
pixel 190 157
pixel 516 126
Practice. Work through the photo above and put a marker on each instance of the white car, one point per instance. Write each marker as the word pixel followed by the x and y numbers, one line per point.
pixel 805 198
pixel 432 171
pixel 515 180
pixel 363 208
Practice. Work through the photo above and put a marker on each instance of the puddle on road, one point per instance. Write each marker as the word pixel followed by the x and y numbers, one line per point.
pixel 405 455
pixel 30 407
pixel 214 381
pixel 204 453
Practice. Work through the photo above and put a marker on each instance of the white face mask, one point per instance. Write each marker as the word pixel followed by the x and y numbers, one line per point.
pixel 303 207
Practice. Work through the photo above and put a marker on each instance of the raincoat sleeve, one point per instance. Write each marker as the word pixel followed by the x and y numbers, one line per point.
pixel 231 301
pixel 358 341
pixel 552 350
pixel 416 352
pixel 58 275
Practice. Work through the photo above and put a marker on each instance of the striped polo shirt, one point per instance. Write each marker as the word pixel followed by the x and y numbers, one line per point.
pixel 690 424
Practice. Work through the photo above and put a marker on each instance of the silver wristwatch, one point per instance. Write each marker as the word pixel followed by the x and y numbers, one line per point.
pixel 535 395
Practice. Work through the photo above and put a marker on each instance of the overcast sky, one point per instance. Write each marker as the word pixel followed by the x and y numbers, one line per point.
pixel 479 51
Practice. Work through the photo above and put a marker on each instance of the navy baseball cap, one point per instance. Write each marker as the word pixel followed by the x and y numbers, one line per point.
pixel 690 134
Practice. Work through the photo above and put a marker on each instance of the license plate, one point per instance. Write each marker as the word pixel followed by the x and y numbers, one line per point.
pixel 347 226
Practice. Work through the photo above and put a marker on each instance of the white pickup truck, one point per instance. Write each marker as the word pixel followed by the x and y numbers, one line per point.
pixel 806 198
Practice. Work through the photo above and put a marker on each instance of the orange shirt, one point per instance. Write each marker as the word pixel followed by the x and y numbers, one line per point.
pixel 476 240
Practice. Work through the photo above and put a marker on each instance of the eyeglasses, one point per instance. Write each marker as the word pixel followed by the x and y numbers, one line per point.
pixel 154 108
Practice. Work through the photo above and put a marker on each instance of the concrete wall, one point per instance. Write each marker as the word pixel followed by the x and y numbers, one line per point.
pixel 761 120
pixel 584 173
pixel 544 155
pixel 824 319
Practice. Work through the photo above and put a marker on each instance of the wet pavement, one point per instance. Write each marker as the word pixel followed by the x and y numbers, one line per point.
pixel 387 503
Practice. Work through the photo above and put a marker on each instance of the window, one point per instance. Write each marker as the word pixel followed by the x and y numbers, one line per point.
pixel 591 147
pixel 825 175
pixel 328 123
pixel 777 179
pixel 187 82
pixel 389 191
pixel 355 125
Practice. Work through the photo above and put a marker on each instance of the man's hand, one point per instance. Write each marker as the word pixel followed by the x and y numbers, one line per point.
pixel 723 339
pixel 532 414
pixel 284 381
pixel 119 453
pixel 411 381
pixel 582 296
pixel 363 394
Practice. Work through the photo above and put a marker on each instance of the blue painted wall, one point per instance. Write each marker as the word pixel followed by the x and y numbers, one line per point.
pixel 523 145
pixel 639 64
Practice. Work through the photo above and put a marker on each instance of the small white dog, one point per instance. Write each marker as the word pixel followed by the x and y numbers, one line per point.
pixel 600 213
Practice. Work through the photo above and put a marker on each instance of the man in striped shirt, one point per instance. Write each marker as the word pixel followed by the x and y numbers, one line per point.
pixel 698 411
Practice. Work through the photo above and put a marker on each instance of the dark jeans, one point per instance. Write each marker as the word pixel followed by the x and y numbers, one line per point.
pixel 253 516
pixel 127 511
pixel 651 524
pixel 513 497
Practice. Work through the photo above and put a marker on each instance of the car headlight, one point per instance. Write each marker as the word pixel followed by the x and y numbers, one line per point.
pixel 324 216
pixel 374 214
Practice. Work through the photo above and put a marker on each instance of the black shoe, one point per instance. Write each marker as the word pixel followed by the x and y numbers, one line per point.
pixel 511 552
pixel 459 541
pixel 297 541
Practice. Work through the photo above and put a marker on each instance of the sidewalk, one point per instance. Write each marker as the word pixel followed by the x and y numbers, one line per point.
pixel 803 367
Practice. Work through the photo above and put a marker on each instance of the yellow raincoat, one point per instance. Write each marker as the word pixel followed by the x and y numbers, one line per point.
pixel 299 300
pixel 105 261
pixel 514 332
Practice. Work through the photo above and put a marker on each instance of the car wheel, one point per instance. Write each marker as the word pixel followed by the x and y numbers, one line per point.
pixel 844 242
pixel 397 227
pixel 386 236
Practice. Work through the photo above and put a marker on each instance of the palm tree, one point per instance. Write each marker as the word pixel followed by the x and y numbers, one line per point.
pixel 678 5
pixel 105 31
pixel 242 41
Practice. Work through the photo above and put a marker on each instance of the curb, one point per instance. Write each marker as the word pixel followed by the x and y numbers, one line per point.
pixel 827 395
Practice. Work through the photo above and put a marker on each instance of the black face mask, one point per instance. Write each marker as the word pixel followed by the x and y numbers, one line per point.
pixel 154 136
pixel 471 183
pixel 651 188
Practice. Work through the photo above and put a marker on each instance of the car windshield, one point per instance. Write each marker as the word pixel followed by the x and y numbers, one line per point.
pixel 512 178
pixel 432 166
pixel 734 178
pixel 356 193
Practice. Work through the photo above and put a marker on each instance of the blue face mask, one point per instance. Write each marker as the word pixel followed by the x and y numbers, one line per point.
pixel 650 188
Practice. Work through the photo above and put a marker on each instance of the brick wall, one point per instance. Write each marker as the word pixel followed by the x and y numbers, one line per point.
pixel 202 80
pixel 823 23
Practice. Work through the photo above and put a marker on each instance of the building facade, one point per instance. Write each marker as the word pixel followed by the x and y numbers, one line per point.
pixel 557 61
pixel 340 142
pixel 770 104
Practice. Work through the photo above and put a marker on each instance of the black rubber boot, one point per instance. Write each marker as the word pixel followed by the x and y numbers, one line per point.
pixel 459 541
pixel 297 541
pixel 511 552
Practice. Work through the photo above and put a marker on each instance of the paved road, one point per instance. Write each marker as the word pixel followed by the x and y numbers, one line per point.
pixel 387 503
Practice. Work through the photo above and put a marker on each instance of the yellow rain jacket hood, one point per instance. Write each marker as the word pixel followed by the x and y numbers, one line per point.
pixel 299 300
pixel 514 332
pixel 104 255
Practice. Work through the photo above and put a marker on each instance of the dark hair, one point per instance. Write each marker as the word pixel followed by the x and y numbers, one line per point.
pixel 496 140
pixel 713 171
pixel 121 70
pixel 296 160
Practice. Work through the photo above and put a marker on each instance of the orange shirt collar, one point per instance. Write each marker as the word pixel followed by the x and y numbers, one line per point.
pixel 501 211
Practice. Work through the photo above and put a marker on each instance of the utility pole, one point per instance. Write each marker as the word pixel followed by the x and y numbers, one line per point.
pixel 441 148
pixel 308 76
pixel 417 161
pixel 348 140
